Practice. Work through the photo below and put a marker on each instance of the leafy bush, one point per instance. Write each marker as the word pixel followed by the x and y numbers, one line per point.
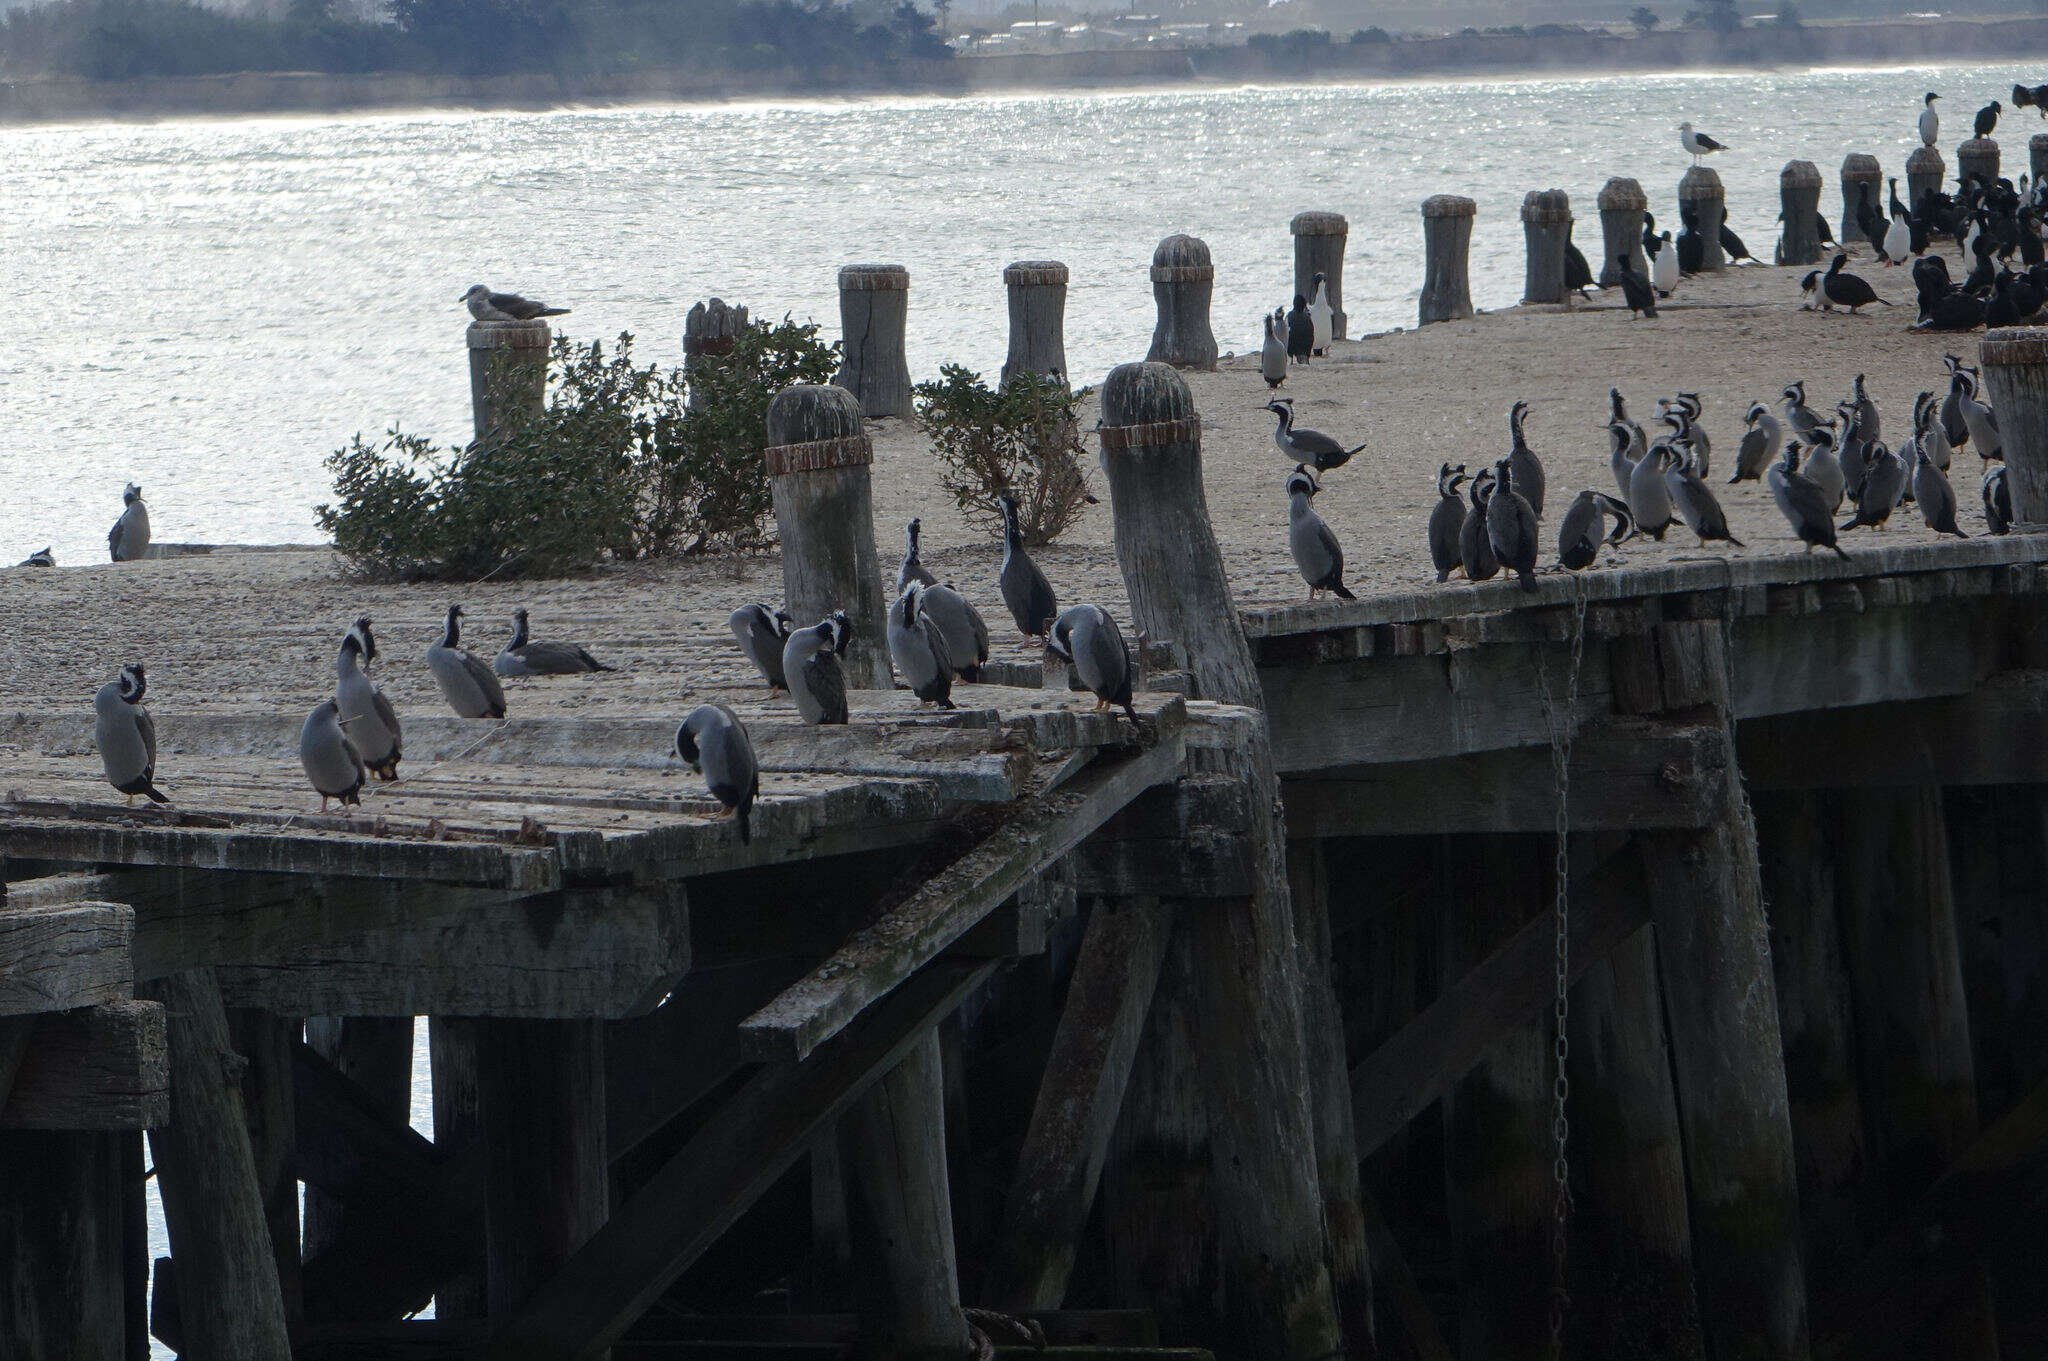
pixel 618 464
pixel 1021 438
pixel 1644 18
pixel 1375 34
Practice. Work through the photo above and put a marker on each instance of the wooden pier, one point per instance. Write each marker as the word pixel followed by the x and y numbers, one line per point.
pixel 1230 1028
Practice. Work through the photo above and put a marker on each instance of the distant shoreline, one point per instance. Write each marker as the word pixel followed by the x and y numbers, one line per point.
pixel 1503 56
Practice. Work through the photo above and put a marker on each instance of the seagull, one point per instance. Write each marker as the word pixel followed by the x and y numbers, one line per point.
pixel 485 305
pixel 1930 121
pixel 1697 144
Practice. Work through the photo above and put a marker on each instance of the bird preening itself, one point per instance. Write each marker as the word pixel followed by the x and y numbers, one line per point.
pixel 333 765
pixel 919 648
pixel 1087 639
pixel 523 657
pixel 810 662
pixel 126 735
pixel 713 742
pixel 485 305
pixel 366 714
pixel 761 636
pixel 128 540
pixel 1317 554
pixel 1299 444
pixel 1583 528
pixel 1697 144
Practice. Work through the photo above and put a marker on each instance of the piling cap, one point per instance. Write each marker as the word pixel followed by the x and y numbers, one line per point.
pixel 1700 182
pixel 1025 273
pixel 509 335
pixel 1979 146
pixel 1546 205
pixel 873 278
pixel 1319 224
pixel 2035 144
pixel 813 411
pixel 1181 259
pixel 1799 175
pixel 1141 394
pixel 1859 166
pixel 2013 347
pixel 1925 160
pixel 1621 192
pixel 1448 205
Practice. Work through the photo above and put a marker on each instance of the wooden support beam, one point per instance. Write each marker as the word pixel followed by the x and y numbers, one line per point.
pixel 56 958
pixel 1393 1281
pixel 97 1068
pixel 62 1278
pixel 375 1053
pixel 582 953
pixel 228 1299
pixel 1995 734
pixel 903 940
pixel 1626 774
pixel 458 1136
pixel 1079 1100
pixel 1509 988
pixel 747 1145
pixel 266 1041
pixel 1186 839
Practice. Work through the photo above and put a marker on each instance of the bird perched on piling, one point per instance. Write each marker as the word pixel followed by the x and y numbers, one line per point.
pixel 761 636
pixel 1933 495
pixel 1086 638
pixel 1583 529
pixel 1475 550
pixel 1760 444
pixel 1987 119
pixel 1697 144
pixel 1511 526
pixel 714 743
pixel 469 686
pixel 1299 444
pixel 1649 496
pixel 1321 316
pixel 523 657
pixel 485 305
pixel 810 661
pixel 1301 331
pixel 1664 267
pixel 42 557
pixel 1930 121
pixel 1848 290
pixel 913 568
pixel 1317 554
pixel 1635 289
pixel 126 735
pixel 371 722
pixel 332 763
pixel 1523 463
pixel 1801 502
pixel 965 631
pixel 920 651
pixel 1997 494
pixel 1445 518
pixel 1025 590
pixel 128 540
pixel 1273 356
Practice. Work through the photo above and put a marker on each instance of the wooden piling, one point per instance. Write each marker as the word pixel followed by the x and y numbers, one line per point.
pixel 1925 170
pixel 1622 205
pixel 894 1142
pixel 458 1134
pixel 1446 251
pixel 1250 1047
pixel 818 457
pixel 1183 282
pixel 1319 249
pixel 1546 216
pixel 1700 191
pixel 710 331
pixel 547 1189
pixel 266 1041
pixel 2037 154
pixel 2015 362
pixel 508 371
pixel 375 1053
pixel 1978 157
pixel 229 1304
pixel 1038 316
pixel 1799 211
pixel 63 1287
pixel 874 313
pixel 1862 182
pixel 1912 1023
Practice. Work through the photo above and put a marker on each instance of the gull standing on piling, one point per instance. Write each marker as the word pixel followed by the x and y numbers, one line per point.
pixel 817 682
pixel 1697 144
pixel 470 688
pixel 761 636
pixel 362 706
pixel 1583 529
pixel 126 735
pixel 919 649
pixel 713 742
pixel 1025 590
pixel 1444 521
pixel 333 765
pixel 1086 638
pixel 1317 554
pixel 1299 444
pixel 965 631
pixel 485 305
pixel 913 568
pixel 523 657
pixel 128 540
pixel 1930 121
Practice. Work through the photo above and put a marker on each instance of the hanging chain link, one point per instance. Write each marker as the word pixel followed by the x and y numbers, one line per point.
pixel 1563 731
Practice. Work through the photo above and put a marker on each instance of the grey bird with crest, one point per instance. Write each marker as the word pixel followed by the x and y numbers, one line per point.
pixel 954 615
pixel 1298 444
pixel 913 568
pixel 1026 592
pixel 522 656
pixel 1695 502
pixel 1317 554
pixel 1445 519
pixel 761 636
pixel 1933 495
pixel 126 735
pixel 367 716
pixel 1649 496
pixel 1525 469
pixel 713 742
pixel 1801 501
pixel 333 765
pixel 1086 638
pixel 810 662
pixel 1823 467
pixel 128 540
pixel 1584 529
pixel 1511 527
pixel 918 647
pixel 466 683
pixel 1884 482
pixel 1759 446
pixel 1475 550
pixel 485 305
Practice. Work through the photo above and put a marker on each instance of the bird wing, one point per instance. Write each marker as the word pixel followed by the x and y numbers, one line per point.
pixel 145 727
pixel 487 682
pixel 385 714
pixel 1707 143
pixel 1327 538
pixel 826 681
pixel 1314 442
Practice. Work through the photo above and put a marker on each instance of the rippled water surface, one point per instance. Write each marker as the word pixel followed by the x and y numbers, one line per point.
pixel 208 308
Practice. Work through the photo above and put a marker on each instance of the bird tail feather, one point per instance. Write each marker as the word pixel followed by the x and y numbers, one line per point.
pixel 156 795
pixel 1341 589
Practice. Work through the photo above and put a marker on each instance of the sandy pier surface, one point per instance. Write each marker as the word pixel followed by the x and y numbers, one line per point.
pixel 256 631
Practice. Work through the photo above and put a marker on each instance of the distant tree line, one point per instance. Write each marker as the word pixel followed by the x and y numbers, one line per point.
pixel 119 39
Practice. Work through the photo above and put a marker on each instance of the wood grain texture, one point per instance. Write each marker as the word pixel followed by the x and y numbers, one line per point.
pixel 62 1288
pixel 97 1068
pixel 60 957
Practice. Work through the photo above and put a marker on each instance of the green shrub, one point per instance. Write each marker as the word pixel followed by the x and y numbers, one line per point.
pixel 1375 34
pixel 1021 438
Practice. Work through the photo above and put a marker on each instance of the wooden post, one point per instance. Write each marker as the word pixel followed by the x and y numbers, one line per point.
pixel 1979 157
pixel 1700 190
pixel 1252 1056
pixel 1924 170
pixel 1546 214
pixel 1183 281
pixel 508 371
pixel 1038 318
pixel 1497 1138
pixel 63 1284
pixel 229 1304
pixel 818 456
pixel 874 313
pixel 2015 361
pixel 1446 248
pixel 1799 210
pixel 1319 249
pixel 1912 1023
pixel 375 1053
pixel 710 331
pixel 1862 182
pixel 1798 875
pixel 458 1133
pixel 541 1085
pixel 2037 154
pixel 895 1148
pixel 1622 205
pixel 266 1041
